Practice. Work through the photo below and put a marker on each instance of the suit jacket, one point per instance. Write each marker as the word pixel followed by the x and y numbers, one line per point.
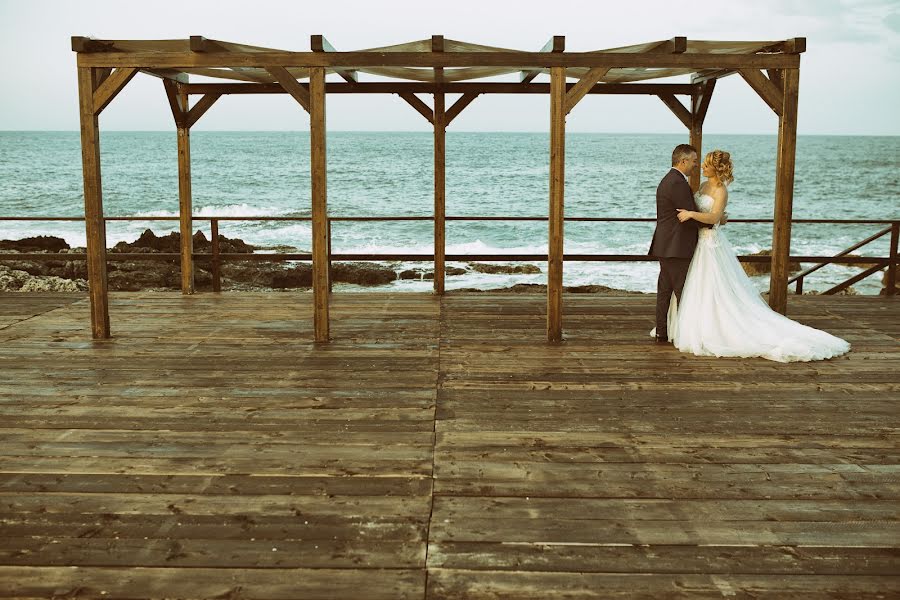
pixel 672 238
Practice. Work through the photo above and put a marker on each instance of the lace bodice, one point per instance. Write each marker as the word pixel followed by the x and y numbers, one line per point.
pixel 704 204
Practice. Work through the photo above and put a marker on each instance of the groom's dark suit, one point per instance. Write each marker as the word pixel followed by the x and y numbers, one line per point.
pixel 673 242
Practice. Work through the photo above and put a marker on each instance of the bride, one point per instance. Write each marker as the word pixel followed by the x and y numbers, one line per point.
pixel 721 313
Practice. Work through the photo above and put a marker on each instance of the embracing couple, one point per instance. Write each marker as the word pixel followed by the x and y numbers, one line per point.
pixel 705 303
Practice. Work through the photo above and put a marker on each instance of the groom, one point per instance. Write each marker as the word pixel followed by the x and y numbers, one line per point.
pixel 673 242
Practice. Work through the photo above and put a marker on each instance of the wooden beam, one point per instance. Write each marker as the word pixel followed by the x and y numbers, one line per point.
pixel 700 101
pixel 775 77
pixel 185 201
pixel 439 120
pixel 174 75
pixel 318 166
pixel 555 44
pixel 784 191
pixel 677 45
pixel 458 106
pixel 420 106
pixel 795 45
pixel 86 44
pixel 675 105
pixel 290 85
pixel 557 194
pixel 699 106
pixel 179 109
pixel 584 85
pixel 765 88
pixel 95 226
pixel 318 43
pixel 200 108
pixel 111 86
pixel 440 242
pixel 650 89
pixel 512 60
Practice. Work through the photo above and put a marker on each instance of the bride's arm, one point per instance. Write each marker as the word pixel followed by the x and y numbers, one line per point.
pixel 720 198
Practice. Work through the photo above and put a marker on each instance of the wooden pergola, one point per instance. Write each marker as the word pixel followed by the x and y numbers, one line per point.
pixel 435 67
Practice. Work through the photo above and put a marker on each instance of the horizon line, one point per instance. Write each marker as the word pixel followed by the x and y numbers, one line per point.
pixel 426 132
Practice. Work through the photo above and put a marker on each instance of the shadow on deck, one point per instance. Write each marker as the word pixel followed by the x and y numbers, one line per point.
pixel 438 448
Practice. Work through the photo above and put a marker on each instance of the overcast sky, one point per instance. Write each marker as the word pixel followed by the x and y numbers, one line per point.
pixel 849 77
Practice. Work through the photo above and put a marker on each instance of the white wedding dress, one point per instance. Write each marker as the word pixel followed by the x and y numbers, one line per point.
pixel 722 314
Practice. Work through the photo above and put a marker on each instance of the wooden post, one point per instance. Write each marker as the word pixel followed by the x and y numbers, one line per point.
pixel 700 99
pixel 439 193
pixel 890 279
pixel 185 206
pixel 440 198
pixel 784 191
pixel 216 260
pixel 557 183
pixel 95 225
pixel 319 203
pixel 696 139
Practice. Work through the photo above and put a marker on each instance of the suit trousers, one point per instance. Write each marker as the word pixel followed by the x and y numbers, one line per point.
pixel 672 273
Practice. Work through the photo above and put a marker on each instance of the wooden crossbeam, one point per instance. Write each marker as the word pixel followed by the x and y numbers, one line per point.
pixel 86 44
pixel 458 106
pixel 675 105
pixel 555 44
pixel 198 43
pixel 584 85
pixel 512 60
pixel 464 87
pixel 111 86
pixel 318 43
pixel 200 108
pixel 290 85
pixel 767 90
pixel 437 45
pixel 417 104
pixel 775 77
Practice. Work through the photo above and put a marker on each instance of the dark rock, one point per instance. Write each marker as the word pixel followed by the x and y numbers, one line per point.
pixel 761 268
pixel 506 269
pixel 171 243
pixel 362 273
pixel 41 243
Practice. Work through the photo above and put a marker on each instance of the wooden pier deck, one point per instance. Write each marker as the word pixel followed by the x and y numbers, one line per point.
pixel 438 448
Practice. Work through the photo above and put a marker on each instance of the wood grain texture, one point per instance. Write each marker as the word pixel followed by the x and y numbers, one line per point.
pixel 557 198
pixel 784 191
pixel 95 226
pixel 438 447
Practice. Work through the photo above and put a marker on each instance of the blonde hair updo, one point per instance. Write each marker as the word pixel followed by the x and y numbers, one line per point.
pixel 720 161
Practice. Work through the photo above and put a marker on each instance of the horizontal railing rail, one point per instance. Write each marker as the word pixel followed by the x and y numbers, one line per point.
pixel 876 264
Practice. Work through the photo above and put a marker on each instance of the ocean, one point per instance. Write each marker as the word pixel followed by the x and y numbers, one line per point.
pixel 488 174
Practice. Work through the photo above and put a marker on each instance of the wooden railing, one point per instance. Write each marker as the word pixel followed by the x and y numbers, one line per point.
pixel 215 257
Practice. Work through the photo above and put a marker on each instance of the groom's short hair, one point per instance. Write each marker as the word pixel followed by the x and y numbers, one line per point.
pixel 681 152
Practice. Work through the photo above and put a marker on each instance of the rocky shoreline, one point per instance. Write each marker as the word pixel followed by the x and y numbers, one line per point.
pixel 60 275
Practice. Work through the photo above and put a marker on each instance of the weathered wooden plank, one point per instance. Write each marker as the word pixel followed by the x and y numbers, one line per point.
pixel 708 560
pixel 271 584
pixel 471 585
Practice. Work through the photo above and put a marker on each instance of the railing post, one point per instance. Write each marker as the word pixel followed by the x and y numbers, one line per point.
pixel 330 277
pixel 890 282
pixel 216 274
pixel 799 290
